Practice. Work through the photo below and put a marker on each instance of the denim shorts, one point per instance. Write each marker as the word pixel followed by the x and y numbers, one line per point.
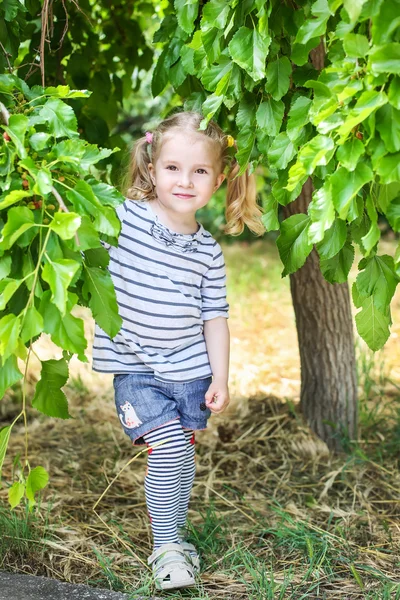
pixel 143 403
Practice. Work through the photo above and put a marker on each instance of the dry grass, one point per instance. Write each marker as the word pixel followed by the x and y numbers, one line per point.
pixel 275 515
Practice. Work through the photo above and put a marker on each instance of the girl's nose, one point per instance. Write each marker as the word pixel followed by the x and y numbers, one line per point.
pixel 185 181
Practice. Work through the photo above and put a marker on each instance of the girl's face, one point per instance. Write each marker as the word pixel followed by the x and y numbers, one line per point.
pixel 186 174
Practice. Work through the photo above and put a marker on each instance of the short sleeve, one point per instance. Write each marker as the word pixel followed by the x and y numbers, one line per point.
pixel 213 288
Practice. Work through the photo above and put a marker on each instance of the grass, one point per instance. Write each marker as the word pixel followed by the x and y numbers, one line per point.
pixel 274 514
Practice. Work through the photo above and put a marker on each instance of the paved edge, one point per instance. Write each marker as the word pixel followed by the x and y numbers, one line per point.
pixel 17 586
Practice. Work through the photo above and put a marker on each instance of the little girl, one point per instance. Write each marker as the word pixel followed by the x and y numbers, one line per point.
pixel 170 358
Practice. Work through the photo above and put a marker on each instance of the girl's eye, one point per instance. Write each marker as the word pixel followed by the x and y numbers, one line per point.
pixel 202 171
pixel 171 167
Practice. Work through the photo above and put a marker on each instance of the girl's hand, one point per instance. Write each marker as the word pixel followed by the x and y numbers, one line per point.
pixel 217 396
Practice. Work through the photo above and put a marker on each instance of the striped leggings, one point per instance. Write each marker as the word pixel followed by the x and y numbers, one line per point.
pixel 169 480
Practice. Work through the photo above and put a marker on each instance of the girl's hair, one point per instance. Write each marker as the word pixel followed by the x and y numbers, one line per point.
pixel 241 201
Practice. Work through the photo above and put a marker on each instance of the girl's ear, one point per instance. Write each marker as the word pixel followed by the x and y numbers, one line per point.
pixel 152 172
pixel 221 177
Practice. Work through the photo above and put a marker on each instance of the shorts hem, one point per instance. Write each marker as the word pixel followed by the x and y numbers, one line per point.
pixel 139 440
pixel 151 426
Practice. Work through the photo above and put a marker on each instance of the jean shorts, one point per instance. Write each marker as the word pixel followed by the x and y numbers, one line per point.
pixel 143 403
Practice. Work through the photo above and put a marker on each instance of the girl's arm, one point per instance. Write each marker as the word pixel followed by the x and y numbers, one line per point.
pixel 216 334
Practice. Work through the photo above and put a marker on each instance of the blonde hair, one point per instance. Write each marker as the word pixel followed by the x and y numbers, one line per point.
pixel 241 199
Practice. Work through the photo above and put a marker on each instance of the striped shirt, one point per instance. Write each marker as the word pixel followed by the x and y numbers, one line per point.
pixel 164 295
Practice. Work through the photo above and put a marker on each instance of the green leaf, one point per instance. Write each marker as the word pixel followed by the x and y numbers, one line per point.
pixel 40 140
pixel 99 289
pixel 10 326
pixel 246 114
pixel 388 168
pixel 8 288
pixel 245 142
pixel 4 439
pixel 337 268
pixel 278 77
pixel 66 331
pixel 270 115
pixel 59 274
pixel 371 238
pixel 385 59
pixel 293 244
pixel 186 11
pixel 393 214
pixel 20 219
pixel 300 52
pixel 298 116
pixel 312 28
pixel 367 103
pixel 16 493
pixel 318 151
pixel 249 50
pixel 346 184
pixel 270 217
pixel 281 151
pixel 372 325
pixel 106 194
pixel 388 125
pixel 349 153
pixel 353 8
pixel 87 235
pixel 5 266
pixel 394 92
pixel 378 279
pixel 333 241
pixel 13 197
pixel 385 21
pixel 280 192
pixel 211 39
pixel 33 324
pixel 17 127
pixel 215 14
pixel 106 221
pixel 59 117
pixel 44 182
pixel 9 374
pixel 65 224
pixel 37 479
pixel 355 45
pixel 212 76
pixel 322 214
pixel 49 398
pixel 211 105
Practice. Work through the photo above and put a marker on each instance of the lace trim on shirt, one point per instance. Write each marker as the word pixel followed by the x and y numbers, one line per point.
pixel 180 241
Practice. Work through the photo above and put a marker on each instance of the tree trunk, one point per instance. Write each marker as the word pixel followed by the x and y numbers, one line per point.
pixel 325 332
pixel 328 397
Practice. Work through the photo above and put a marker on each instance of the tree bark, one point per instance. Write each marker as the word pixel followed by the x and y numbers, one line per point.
pixel 328 397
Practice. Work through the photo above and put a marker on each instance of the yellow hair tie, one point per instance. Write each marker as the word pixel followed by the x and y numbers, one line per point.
pixel 230 141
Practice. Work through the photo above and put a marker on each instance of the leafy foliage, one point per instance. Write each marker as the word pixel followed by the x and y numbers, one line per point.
pixel 247 64
pixel 54 214
pixel 98 46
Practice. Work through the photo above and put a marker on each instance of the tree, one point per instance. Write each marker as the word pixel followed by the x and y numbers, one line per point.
pixel 335 130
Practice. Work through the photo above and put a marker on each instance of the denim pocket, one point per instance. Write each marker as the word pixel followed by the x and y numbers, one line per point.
pixel 118 379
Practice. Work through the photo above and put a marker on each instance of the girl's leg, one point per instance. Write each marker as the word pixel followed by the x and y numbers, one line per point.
pixel 188 473
pixel 163 480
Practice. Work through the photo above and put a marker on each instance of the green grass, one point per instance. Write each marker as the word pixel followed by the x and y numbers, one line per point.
pixel 22 533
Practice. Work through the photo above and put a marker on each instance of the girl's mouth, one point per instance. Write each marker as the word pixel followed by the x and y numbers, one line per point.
pixel 184 195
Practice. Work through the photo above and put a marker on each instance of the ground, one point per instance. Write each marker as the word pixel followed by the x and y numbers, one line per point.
pixel 274 514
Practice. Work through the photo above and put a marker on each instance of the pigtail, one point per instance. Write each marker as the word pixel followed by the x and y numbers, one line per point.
pixel 241 203
pixel 138 184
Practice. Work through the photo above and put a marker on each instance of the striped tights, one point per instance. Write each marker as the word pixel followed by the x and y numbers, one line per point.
pixel 169 480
